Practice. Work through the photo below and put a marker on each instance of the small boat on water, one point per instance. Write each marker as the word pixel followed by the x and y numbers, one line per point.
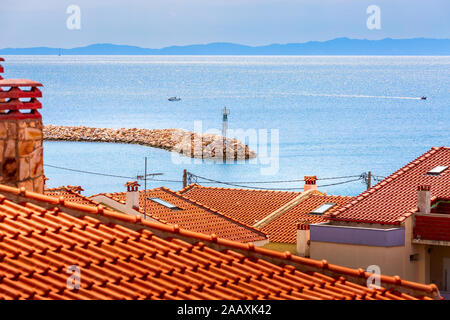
pixel 174 99
pixel 423 98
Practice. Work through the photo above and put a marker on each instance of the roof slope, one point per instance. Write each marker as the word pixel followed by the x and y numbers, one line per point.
pixel 247 206
pixel 125 257
pixel 68 193
pixel 392 200
pixel 284 227
pixel 192 215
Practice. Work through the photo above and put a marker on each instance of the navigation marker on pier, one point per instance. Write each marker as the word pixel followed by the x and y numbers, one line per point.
pixel 226 112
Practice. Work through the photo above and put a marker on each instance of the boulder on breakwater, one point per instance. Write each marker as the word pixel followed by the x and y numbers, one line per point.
pixel 191 144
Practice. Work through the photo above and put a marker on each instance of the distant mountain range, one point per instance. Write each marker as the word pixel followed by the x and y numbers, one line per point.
pixel 339 46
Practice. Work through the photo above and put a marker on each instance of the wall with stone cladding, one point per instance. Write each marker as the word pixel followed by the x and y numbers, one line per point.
pixel 21 153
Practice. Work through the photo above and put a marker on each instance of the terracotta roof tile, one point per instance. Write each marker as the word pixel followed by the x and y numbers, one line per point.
pixel 70 193
pixel 192 215
pixel 124 258
pixel 19 82
pixel 392 200
pixel 284 227
pixel 245 205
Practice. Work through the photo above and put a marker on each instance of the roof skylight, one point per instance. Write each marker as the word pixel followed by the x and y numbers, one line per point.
pixel 164 203
pixel 437 170
pixel 323 208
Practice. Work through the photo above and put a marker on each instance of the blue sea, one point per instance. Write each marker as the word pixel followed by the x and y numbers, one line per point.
pixel 334 115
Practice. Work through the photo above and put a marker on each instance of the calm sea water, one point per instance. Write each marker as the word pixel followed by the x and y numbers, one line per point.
pixel 336 116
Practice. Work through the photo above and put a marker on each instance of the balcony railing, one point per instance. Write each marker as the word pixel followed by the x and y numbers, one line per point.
pixel 433 226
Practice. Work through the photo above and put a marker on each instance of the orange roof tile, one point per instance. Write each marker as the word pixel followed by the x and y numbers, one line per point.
pixel 19 82
pixel 284 227
pixel 192 215
pixel 125 257
pixel 70 193
pixel 245 205
pixel 392 200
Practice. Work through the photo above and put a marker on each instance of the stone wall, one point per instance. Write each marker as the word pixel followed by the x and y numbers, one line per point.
pixel 21 153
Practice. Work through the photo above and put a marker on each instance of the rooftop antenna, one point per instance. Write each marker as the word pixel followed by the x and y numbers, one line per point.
pixel 145 177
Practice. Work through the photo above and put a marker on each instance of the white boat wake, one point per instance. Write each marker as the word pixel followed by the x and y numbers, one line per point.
pixel 356 96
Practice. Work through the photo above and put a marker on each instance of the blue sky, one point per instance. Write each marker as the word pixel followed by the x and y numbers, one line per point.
pixel 159 23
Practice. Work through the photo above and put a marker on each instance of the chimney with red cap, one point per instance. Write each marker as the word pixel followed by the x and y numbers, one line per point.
pixel 21 151
pixel 424 198
pixel 310 183
pixel 132 199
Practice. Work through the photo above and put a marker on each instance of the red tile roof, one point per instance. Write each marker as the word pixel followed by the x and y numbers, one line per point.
pixel 392 200
pixel 284 227
pixel 124 257
pixel 69 193
pixel 19 82
pixel 192 215
pixel 247 206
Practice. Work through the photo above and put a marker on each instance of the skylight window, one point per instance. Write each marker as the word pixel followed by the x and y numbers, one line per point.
pixel 164 203
pixel 323 208
pixel 437 170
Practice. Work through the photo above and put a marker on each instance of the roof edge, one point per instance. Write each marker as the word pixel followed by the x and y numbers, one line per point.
pixel 215 211
pixel 284 208
pixel 183 197
pixel 66 189
pixel 335 215
pixel 188 187
pixel 238 189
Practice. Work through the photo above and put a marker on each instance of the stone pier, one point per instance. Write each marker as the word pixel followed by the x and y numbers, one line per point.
pixel 191 144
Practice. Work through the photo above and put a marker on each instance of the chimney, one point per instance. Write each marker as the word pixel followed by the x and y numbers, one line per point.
pixel 424 199
pixel 132 200
pixel 21 151
pixel 303 241
pixel 310 183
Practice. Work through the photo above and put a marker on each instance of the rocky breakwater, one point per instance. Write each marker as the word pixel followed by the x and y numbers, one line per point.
pixel 191 144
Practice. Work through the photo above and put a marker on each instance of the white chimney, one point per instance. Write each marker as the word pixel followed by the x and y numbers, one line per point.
pixel 424 199
pixel 132 200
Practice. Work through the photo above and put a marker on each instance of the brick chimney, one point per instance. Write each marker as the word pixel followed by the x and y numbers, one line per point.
pixel 424 198
pixel 132 200
pixel 310 183
pixel 21 135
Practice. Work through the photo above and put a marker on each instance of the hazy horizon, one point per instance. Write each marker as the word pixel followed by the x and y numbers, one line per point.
pixel 162 23
pixel 218 42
